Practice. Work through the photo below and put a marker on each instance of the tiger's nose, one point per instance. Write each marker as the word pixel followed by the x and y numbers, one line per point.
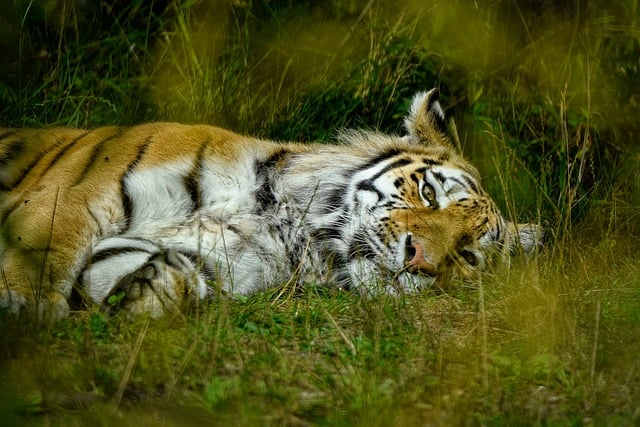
pixel 415 259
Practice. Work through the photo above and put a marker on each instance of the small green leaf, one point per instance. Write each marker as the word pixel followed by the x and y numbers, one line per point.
pixel 116 298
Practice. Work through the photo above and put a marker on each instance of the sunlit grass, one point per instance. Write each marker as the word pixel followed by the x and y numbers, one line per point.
pixel 549 343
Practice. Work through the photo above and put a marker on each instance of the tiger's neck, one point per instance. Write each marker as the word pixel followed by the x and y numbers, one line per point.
pixel 310 195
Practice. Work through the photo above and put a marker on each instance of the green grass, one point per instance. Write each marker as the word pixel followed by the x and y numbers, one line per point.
pixel 545 102
pixel 536 344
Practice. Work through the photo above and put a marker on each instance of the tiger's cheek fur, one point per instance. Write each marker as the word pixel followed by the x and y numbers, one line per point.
pixel 436 231
pixel 443 235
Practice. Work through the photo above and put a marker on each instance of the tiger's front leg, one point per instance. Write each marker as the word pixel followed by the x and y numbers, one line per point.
pixel 243 253
pixel 27 285
pixel 136 276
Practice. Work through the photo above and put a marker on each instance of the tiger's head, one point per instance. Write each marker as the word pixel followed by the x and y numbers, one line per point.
pixel 419 213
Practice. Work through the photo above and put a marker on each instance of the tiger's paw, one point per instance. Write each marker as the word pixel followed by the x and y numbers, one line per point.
pixel 167 284
pixel 49 307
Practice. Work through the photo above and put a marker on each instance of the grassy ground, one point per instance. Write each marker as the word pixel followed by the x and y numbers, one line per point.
pixel 545 103
pixel 533 344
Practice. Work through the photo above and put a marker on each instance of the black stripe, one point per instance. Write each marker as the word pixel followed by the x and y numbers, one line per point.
pixel 97 148
pixel 25 172
pixel 414 178
pixel 233 229
pixel 192 180
pixel 396 164
pixel 7 212
pixel 62 152
pixel 471 184
pixel 13 150
pixel 358 249
pixel 7 133
pixel 7 156
pixel 343 281
pixel 127 203
pixel 113 252
pixel 333 200
pixel 468 183
pixel 440 177
pixel 29 168
pixel 465 184
pixel 392 204
pixel 498 233
pixel 333 231
pixel 379 158
pixel 484 222
pixel 431 162
pixel 362 245
pixel 265 198
pixel 89 164
pixel 367 185
pixel 460 183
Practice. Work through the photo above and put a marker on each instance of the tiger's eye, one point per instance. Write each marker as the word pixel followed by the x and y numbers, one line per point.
pixel 470 257
pixel 429 195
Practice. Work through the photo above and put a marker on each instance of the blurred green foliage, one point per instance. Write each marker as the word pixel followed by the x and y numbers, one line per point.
pixel 545 94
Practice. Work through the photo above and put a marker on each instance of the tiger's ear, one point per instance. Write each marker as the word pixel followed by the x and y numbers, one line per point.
pixel 525 237
pixel 425 121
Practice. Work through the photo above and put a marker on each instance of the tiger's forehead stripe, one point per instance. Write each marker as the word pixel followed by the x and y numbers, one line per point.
pixel 396 164
pixel 462 179
pixel 392 152
pixel 436 159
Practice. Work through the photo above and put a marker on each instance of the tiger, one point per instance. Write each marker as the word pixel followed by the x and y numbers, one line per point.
pixel 154 218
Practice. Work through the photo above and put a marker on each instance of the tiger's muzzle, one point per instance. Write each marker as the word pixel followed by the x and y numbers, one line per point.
pixel 415 261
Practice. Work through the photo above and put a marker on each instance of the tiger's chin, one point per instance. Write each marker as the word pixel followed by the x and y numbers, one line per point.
pixel 367 278
pixel 414 282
